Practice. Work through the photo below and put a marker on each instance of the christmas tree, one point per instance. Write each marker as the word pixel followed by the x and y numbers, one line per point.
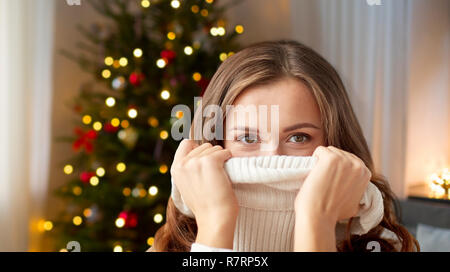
pixel 147 58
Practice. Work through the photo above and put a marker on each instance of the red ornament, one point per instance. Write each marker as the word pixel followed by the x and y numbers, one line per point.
pixel 168 55
pixel 130 219
pixel 84 140
pixel 86 176
pixel 136 78
pixel 110 128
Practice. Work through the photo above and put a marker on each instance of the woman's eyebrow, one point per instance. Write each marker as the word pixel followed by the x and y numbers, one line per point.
pixel 300 125
pixel 289 128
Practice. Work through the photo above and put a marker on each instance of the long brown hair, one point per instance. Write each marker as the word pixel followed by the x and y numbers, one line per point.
pixel 265 63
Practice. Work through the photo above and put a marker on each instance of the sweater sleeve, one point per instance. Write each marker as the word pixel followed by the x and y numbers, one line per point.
pixel 196 247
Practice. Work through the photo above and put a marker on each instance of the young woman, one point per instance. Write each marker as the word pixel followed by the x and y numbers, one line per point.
pixel 315 119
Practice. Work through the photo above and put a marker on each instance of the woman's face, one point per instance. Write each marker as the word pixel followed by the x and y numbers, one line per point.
pixel 299 123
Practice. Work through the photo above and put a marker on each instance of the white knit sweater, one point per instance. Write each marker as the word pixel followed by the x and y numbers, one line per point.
pixel 266 187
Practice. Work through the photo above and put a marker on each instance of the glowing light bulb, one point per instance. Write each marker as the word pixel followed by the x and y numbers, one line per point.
pixel 161 63
pixel 197 76
pixel 132 113
pixel 100 171
pixel 120 222
pixel 94 181
pixel 153 190
pixel 68 169
pixel 109 61
pixel 48 225
pixel 77 220
pixel 145 3
pixel 163 169
pixel 110 102
pixel 97 126
pixel 137 52
pixel 175 4
pixel 164 134
pixel 158 218
pixel 87 119
pixel 121 167
pixel 171 36
pixel 239 29
pixel 165 94
pixel 106 73
pixel 118 248
pixel 123 61
pixel 115 122
pixel 188 50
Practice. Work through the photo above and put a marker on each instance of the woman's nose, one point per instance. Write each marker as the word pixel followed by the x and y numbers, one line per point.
pixel 270 149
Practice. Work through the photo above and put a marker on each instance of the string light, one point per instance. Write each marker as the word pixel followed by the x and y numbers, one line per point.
pixel 161 63
pixel 77 220
pixel 164 134
pixel 209 1
pixel 223 56
pixel 239 29
pixel 123 61
pixel 171 36
pixel 153 122
pixel 116 64
pixel 230 54
pixel 87 119
pixel 110 102
pixel 63 250
pixel 115 122
pixel 106 73
pixel 118 248
pixel 142 193
pixel 137 52
pixel 165 94
pixel 213 31
pixel 77 190
pixel 121 167
pixel 150 241
pixel 145 3
pixel 97 126
pixel 221 31
pixel 188 50
pixel 132 113
pixel 109 61
pixel 120 222
pixel 204 12
pixel 153 190
pixel 94 181
pixel 195 9
pixel 126 191
pixel 87 212
pixel 197 76
pixel 48 225
pixel 158 218
pixel 125 123
pixel 100 171
pixel 68 169
pixel 163 169
pixel 175 4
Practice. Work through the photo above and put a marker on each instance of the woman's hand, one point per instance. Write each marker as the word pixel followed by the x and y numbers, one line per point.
pixel 199 174
pixel 331 192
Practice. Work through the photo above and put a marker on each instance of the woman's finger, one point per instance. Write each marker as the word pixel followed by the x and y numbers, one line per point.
pixel 185 146
pixel 199 150
pixel 210 150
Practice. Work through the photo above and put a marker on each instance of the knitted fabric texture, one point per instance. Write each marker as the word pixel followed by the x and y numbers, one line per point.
pixel 266 187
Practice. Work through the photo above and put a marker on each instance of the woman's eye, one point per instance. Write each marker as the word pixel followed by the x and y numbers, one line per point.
pixel 299 138
pixel 248 139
